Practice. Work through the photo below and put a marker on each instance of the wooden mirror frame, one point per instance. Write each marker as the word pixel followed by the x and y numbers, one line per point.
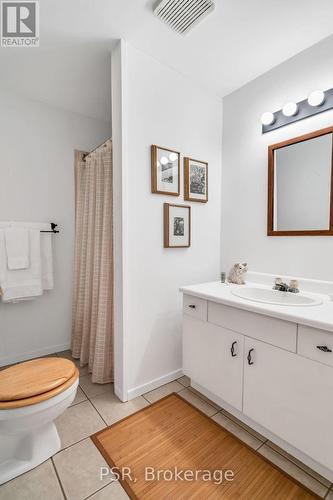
pixel 271 166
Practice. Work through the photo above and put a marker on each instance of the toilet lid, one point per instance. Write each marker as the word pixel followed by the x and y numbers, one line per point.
pixel 34 377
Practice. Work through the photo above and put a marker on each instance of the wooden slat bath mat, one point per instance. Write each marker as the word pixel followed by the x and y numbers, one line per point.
pixel 171 450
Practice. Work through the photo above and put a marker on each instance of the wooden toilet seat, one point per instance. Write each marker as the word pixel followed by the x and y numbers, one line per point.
pixel 35 381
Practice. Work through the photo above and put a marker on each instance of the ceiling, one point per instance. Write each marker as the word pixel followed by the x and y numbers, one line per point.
pixel 236 43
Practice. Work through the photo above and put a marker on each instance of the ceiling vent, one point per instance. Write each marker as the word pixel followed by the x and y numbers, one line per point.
pixel 183 15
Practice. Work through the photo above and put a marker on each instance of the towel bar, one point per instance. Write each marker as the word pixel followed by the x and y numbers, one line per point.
pixel 53 228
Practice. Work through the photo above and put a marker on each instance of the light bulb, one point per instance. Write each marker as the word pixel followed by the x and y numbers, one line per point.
pixel 172 157
pixel 267 118
pixel 164 160
pixel 316 98
pixel 290 109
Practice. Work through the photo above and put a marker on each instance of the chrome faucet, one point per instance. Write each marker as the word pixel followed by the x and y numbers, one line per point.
pixel 283 287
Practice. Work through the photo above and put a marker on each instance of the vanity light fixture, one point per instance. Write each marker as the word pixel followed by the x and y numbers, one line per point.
pixel 316 102
pixel 316 98
pixel 290 109
pixel 267 118
pixel 164 160
pixel 173 157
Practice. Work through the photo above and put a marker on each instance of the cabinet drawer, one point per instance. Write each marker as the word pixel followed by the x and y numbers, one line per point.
pixel 271 330
pixel 195 307
pixel 309 341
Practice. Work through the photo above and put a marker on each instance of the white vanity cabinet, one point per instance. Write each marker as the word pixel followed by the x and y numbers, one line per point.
pixel 291 396
pixel 213 357
pixel 281 382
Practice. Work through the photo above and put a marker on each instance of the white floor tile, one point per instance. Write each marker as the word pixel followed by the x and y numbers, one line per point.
pixel 163 391
pixel 78 422
pixel 184 380
pixel 201 396
pixel 112 409
pixel 113 491
pixel 198 402
pixel 312 473
pixel 40 483
pixel 238 431
pixel 294 471
pixel 91 389
pixel 246 427
pixel 79 470
pixel 80 396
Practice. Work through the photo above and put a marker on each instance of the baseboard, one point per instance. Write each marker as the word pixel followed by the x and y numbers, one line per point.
pixel 25 356
pixel 153 384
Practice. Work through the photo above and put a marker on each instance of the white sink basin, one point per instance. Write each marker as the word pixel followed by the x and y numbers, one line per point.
pixel 275 297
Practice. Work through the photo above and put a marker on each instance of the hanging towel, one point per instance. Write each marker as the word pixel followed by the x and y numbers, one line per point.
pixel 21 283
pixel 17 248
pixel 47 261
pixel 46 248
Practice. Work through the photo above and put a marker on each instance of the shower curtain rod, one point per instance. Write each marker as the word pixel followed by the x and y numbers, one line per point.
pixel 100 145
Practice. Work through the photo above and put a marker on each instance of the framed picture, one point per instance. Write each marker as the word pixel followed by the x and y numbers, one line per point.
pixel 165 171
pixel 195 180
pixel 177 226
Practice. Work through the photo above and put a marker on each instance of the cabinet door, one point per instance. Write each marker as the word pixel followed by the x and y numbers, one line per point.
pixel 292 397
pixel 213 358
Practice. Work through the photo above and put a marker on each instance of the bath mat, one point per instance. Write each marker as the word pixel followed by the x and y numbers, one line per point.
pixel 171 450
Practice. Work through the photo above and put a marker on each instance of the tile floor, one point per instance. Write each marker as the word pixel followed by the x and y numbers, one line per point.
pixel 74 472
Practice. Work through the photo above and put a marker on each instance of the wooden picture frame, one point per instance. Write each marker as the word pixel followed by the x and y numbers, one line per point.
pixel 174 217
pixel 195 191
pixel 271 188
pixel 158 184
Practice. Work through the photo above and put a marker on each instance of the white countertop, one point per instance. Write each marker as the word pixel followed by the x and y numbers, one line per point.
pixel 318 316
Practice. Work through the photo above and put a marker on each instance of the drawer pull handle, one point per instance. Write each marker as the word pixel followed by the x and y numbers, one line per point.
pixel 232 349
pixel 192 306
pixel 324 348
pixel 249 357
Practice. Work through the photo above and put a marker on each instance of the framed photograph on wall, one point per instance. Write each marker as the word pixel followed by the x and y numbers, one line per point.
pixel 177 226
pixel 195 180
pixel 165 171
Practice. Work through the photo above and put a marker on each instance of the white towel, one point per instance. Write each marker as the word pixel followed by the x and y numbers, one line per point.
pixel 46 248
pixel 17 248
pixel 22 283
pixel 47 261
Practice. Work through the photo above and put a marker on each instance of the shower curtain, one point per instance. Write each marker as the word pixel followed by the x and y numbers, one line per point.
pixel 92 331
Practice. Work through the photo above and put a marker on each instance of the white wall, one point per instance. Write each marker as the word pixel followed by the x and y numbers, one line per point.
pixel 118 94
pixel 244 174
pixel 37 145
pixel 162 107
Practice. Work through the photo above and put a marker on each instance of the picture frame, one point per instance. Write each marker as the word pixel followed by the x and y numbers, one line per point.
pixel 177 226
pixel 165 171
pixel 195 180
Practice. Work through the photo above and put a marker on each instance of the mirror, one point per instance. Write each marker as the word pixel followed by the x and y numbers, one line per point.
pixel 300 186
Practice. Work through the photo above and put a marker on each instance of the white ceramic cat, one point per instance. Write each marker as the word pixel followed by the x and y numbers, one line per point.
pixel 237 274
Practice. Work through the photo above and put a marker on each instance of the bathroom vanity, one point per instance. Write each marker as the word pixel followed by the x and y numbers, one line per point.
pixel 269 365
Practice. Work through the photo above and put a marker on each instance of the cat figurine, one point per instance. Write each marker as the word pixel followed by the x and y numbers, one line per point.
pixel 237 274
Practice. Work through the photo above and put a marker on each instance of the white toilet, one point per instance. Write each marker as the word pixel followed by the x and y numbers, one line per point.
pixel 32 395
